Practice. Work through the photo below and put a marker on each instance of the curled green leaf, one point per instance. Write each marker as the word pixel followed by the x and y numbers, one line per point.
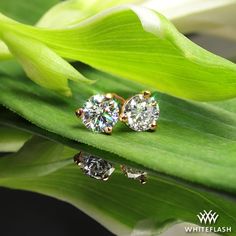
pixel 207 16
pixel 11 139
pixel 36 158
pixel 4 51
pixel 41 64
pixel 141 45
pixel 19 10
pixel 73 11
pixel 26 11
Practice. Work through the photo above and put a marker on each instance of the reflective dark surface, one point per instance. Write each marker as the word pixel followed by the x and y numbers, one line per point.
pixel 30 214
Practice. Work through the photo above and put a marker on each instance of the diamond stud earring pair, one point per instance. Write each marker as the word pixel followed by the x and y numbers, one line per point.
pixel 101 112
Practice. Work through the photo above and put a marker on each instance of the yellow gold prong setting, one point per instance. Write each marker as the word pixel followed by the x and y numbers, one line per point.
pixel 79 112
pixel 146 94
pixel 109 96
pixel 123 118
pixel 154 103
pixel 153 125
pixel 108 130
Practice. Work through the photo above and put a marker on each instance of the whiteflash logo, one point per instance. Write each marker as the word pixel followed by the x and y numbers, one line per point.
pixel 208 218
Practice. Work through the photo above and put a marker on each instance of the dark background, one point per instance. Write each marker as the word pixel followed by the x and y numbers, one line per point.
pixel 29 214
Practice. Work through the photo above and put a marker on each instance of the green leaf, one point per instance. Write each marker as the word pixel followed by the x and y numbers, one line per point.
pixel 11 139
pixel 169 62
pixel 122 205
pixel 11 68
pixel 210 17
pixel 73 11
pixel 12 120
pixel 195 141
pixel 37 157
pixel 4 51
pixel 24 11
pixel 41 64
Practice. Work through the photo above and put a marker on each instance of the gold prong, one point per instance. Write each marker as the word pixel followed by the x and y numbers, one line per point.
pixel 119 98
pixel 78 158
pixel 146 94
pixel 109 96
pixel 153 125
pixel 154 103
pixel 114 95
pixel 108 130
pixel 79 112
pixel 123 118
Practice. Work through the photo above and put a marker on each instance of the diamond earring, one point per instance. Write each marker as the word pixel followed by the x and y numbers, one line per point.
pixel 141 112
pixel 101 112
pixel 94 167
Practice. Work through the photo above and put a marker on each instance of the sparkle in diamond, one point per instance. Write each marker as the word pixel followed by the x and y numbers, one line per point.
pixel 100 113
